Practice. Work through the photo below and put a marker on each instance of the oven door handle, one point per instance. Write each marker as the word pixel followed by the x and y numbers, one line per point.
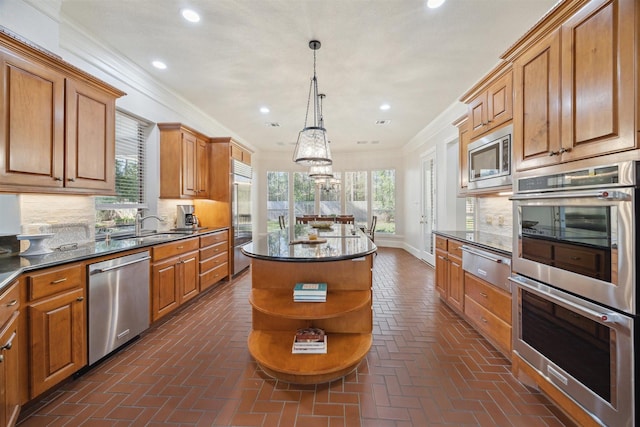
pixel 608 317
pixel 598 194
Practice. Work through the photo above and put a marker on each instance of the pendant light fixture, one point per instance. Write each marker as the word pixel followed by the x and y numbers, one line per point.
pixel 312 147
pixel 318 172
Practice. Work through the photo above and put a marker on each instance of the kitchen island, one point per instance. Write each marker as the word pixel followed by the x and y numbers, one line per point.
pixel 279 261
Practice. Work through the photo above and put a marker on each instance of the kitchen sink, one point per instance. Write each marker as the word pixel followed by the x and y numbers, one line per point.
pixel 154 237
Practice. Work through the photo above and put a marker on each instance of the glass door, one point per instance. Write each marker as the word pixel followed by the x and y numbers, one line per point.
pixel 428 207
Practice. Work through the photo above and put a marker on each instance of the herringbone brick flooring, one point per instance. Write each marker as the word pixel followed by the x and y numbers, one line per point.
pixel 427 367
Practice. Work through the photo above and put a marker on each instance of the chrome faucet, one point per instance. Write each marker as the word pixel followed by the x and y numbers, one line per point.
pixel 140 219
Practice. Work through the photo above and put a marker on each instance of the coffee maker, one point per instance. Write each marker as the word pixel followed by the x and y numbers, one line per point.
pixel 186 220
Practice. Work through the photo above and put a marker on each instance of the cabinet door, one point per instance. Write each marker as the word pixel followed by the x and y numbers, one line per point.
pixel 189 183
pixel 202 168
pixel 500 101
pixel 598 80
pixel 31 124
pixel 536 124
pixel 90 141
pixel 478 115
pixel 9 372
pixel 442 272
pixel 165 295
pixel 57 327
pixel 455 294
pixel 189 276
pixel 464 137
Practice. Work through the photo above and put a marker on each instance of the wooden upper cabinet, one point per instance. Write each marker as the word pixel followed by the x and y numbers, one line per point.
pixel 492 106
pixel 57 124
pixel 599 47
pixel 575 88
pixel 536 122
pixel 240 154
pixel 90 124
pixel 31 124
pixel 184 162
pixel 464 138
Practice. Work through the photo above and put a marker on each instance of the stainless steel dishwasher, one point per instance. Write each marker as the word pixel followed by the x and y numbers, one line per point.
pixel 118 302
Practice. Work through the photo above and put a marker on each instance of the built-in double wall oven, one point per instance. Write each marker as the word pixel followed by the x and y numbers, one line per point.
pixel 575 285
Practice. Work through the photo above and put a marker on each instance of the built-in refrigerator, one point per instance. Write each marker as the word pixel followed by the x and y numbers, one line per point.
pixel 241 214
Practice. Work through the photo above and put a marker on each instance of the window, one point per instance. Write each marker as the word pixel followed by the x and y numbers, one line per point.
pixel 117 213
pixel 277 199
pixel 304 194
pixel 355 196
pixel 330 198
pixel 383 199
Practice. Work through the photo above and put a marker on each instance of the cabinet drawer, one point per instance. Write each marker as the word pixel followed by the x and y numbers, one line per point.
pixel 213 250
pixel 212 262
pixel 54 280
pixel 441 243
pixel 491 326
pixel 175 248
pixel 455 248
pixel 213 276
pixel 9 302
pixel 213 238
pixel 491 298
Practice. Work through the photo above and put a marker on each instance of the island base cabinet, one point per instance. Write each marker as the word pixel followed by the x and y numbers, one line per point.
pixel 346 317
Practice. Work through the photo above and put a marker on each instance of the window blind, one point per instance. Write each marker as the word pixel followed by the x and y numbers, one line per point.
pixel 129 163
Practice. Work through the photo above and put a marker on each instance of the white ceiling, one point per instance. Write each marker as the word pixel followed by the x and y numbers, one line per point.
pixel 245 54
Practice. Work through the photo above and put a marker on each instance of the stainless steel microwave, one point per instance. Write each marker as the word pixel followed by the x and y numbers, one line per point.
pixel 489 160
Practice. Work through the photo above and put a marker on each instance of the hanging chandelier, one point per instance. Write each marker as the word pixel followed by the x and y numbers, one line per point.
pixel 328 184
pixel 320 172
pixel 312 147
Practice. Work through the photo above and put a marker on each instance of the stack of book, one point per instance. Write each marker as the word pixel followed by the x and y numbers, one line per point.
pixel 309 341
pixel 310 292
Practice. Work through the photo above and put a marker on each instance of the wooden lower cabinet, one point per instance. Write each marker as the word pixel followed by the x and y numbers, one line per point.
pixel 485 306
pixel 449 273
pixel 10 385
pixel 174 275
pixel 214 258
pixel 346 317
pixel 57 325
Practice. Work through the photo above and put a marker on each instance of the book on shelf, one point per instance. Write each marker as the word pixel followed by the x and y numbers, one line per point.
pixel 309 341
pixel 310 289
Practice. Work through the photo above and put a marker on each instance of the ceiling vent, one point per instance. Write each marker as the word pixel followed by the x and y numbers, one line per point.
pixel 383 122
pixel 273 124
pixel 362 142
pixel 375 142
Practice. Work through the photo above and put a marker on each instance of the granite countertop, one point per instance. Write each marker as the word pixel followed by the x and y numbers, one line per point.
pixel 12 265
pixel 489 241
pixel 337 243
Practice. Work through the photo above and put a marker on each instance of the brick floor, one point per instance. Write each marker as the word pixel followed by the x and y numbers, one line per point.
pixel 427 367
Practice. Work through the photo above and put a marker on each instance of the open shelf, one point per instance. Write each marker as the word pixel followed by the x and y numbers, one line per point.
pixel 272 350
pixel 280 303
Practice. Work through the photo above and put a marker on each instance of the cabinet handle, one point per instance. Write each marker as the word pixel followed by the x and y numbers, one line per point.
pixel 57 178
pixel 564 150
pixel 12 303
pixel 483 320
pixel 553 153
pixel 180 247
pixel 9 343
pixel 71 179
pixel 55 282
pixel 575 258
pixel 483 295
pixel 79 299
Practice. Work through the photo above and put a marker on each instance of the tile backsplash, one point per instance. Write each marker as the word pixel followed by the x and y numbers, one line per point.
pixel 494 215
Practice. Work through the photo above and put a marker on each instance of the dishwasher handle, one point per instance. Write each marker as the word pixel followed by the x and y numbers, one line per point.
pixel 116 267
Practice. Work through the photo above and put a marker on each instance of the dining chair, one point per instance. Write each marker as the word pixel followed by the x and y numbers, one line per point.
pixel 282 222
pixel 371 231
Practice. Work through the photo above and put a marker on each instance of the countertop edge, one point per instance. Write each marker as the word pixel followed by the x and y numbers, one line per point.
pixel 7 278
pixel 458 235
pixel 323 259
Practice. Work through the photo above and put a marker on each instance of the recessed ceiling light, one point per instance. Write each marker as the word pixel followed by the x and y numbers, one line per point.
pixel 433 4
pixel 159 65
pixel 264 110
pixel 190 15
pixel 385 107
